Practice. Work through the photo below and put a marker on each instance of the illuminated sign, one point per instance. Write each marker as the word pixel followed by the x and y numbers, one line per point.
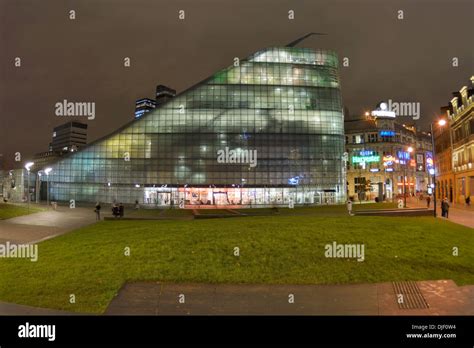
pixel 420 162
pixel 388 160
pixel 387 133
pixel 403 156
pixel 365 159
pixel 429 160
pixel 366 153
pixel 294 181
pixel 374 170
pixel 383 111
pixel 389 169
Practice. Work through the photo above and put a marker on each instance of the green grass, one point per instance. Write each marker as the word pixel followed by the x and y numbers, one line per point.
pixel 177 213
pixel 370 206
pixel 158 213
pixel 321 210
pixel 214 212
pixel 90 262
pixel 143 213
pixel 327 210
pixel 8 211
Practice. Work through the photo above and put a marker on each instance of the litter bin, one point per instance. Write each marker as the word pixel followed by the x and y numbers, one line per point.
pixel 55 205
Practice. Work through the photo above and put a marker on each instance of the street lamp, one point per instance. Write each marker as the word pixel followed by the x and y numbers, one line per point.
pixel 409 150
pixel 37 184
pixel 47 171
pixel 440 123
pixel 28 167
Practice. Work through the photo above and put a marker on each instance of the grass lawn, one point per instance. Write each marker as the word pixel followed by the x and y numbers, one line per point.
pixel 8 211
pixel 143 213
pixel 158 213
pixel 177 213
pixel 90 262
pixel 320 210
pixel 214 212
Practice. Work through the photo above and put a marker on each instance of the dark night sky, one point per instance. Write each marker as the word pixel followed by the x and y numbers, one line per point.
pixel 82 59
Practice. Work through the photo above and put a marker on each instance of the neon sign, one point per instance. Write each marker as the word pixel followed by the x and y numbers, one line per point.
pixel 388 160
pixel 366 153
pixel 403 155
pixel 383 111
pixel 387 133
pixel 294 181
pixel 429 160
pixel 365 159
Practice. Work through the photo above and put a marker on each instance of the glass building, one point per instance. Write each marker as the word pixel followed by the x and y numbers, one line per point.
pixel 266 131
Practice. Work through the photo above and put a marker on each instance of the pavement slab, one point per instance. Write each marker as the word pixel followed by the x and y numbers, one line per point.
pixel 43 225
pixel 16 309
pixel 153 298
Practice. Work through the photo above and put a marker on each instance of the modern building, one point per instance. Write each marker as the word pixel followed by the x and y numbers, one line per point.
pixel 457 180
pixel 163 94
pixel 144 105
pixel 70 136
pixel 269 131
pixel 385 156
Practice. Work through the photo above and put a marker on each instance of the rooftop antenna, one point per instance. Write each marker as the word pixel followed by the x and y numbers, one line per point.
pixel 298 40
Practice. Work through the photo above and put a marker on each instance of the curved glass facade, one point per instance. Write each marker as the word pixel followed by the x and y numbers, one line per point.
pixel 266 131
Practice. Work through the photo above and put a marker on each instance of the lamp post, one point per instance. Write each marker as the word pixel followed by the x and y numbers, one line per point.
pixel 440 123
pixel 409 150
pixel 28 167
pixel 47 171
pixel 37 184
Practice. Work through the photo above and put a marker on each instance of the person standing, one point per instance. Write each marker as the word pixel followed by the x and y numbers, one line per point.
pixel 137 205
pixel 121 210
pixel 428 201
pixel 115 210
pixel 97 211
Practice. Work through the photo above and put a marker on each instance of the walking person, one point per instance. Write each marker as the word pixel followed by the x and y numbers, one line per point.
pixel 446 207
pixel 137 205
pixel 97 211
pixel 468 201
pixel 428 201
